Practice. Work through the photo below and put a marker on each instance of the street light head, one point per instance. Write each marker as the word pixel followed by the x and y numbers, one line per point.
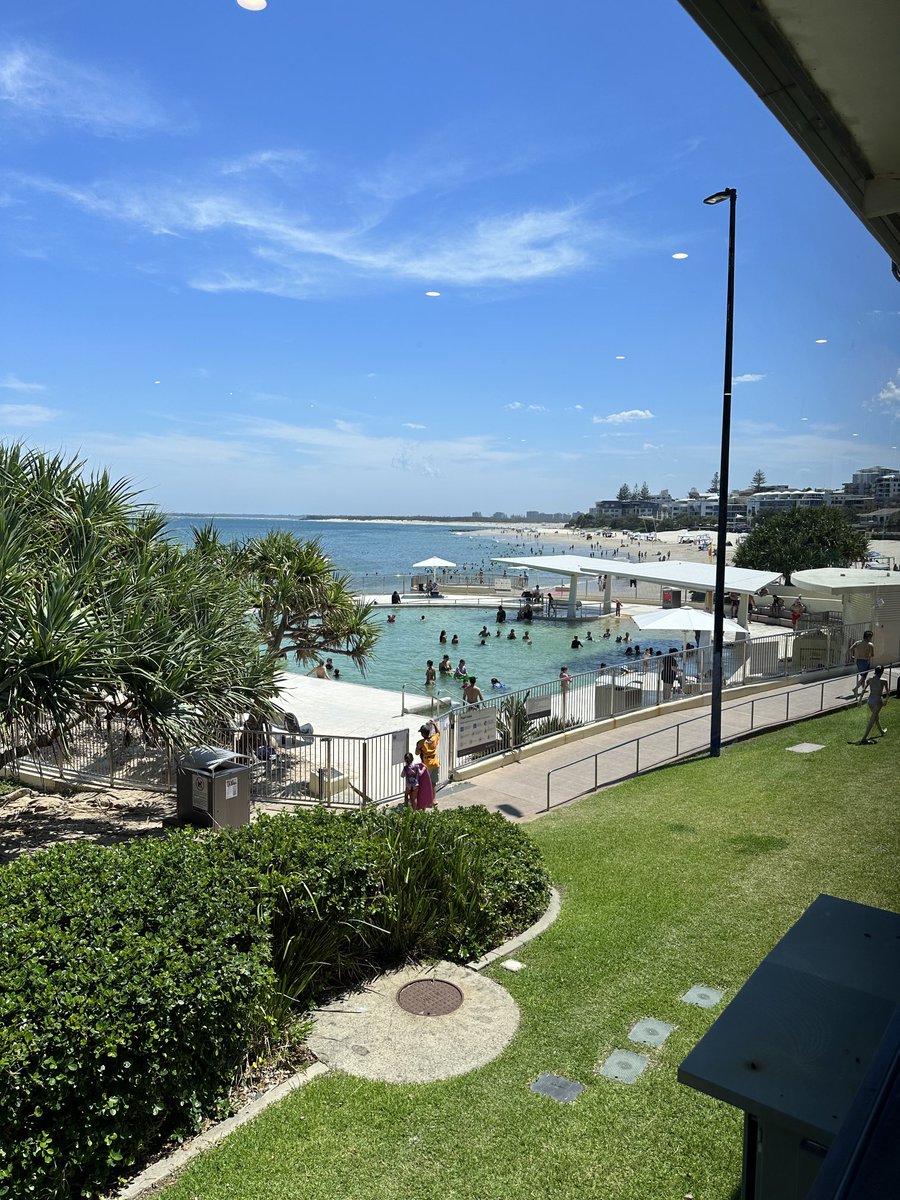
pixel 718 197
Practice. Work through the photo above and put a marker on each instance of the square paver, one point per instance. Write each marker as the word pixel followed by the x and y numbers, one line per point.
pixel 650 1032
pixel 805 748
pixel 623 1065
pixel 557 1088
pixel 702 996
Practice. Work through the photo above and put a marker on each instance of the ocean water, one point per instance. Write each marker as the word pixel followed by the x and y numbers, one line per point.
pixel 378 556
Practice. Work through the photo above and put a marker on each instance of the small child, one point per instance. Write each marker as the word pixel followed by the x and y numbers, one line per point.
pixel 410 775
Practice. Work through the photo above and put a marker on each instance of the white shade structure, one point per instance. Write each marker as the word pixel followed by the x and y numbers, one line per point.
pixel 682 620
pixel 431 563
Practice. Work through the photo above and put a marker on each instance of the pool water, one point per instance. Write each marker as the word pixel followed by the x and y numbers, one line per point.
pixel 406 644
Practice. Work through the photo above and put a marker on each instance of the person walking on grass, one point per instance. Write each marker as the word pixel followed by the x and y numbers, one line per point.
pixel 863 652
pixel 878 693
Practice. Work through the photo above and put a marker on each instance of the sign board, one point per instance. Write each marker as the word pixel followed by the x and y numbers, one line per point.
pixel 399 746
pixel 538 706
pixel 231 787
pixel 476 730
pixel 671 597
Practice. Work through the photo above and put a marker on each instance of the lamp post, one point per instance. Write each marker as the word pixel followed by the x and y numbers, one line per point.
pixel 715 722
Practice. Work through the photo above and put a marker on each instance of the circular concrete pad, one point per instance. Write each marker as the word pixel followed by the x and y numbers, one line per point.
pixel 367 1033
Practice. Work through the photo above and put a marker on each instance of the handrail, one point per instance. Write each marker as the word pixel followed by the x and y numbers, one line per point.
pixel 677 726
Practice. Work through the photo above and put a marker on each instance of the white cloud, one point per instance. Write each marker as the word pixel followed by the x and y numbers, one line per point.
pixel 40 87
pixel 516 404
pixel 14 384
pixel 622 418
pixel 748 378
pixel 278 162
pixel 26 414
pixel 536 408
pixel 889 396
pixel 651 446
pixel 260 245
pixel 411 425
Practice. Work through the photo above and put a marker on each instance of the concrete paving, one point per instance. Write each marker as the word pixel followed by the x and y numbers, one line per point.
pixel 366 1033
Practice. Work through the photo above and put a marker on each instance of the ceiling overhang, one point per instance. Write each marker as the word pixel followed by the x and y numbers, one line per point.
pixel 829 72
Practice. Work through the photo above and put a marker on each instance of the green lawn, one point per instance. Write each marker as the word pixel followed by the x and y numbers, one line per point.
pixel 686 876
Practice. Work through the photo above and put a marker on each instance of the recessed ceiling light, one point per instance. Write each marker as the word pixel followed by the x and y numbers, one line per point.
pixel 432 293
pixel 821 341
pixel 680 254
pixel 253 5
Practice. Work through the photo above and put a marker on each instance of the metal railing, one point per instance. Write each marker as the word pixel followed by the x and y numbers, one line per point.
pixel 690 737
pixel 341 772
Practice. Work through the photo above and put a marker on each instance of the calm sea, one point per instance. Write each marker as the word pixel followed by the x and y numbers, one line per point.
pixel 378 555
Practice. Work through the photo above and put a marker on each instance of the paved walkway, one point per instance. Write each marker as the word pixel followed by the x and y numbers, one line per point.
pixel 519 789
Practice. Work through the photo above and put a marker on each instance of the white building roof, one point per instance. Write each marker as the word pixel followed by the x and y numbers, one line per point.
pixel 700 577
pixel 834 581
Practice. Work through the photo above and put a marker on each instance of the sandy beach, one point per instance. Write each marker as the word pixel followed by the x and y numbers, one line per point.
pixel 556 539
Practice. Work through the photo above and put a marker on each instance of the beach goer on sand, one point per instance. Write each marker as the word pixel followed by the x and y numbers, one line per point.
pixel 472 692
pixel 878 694
pixel 863 652
pixel 445 666
pixel 395 597
pixel 798 608
pixel 501 615
pixel 430 674
pixel 409 773
pixel 577 643
pixel 565 680
pixel 427 750
pixel 443 638
pixel 460 672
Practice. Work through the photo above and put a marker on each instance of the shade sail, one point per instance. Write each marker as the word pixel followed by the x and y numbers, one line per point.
pixel 434 562
pixel 682 619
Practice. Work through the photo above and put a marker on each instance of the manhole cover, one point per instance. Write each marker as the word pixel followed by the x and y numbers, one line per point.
pixel 430 997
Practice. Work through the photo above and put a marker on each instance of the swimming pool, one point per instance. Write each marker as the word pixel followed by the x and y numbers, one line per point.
pixel 407 643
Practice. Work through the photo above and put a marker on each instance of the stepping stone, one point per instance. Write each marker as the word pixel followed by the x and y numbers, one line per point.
pixel 805 748
pixel 557 1088
pixel 512 964
pixel 649 1032
pixel 703 997
pixel 624 1066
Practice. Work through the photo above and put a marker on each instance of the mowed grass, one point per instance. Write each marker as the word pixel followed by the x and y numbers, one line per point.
pixel 687 876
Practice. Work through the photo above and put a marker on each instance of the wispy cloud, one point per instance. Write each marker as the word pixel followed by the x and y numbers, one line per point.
pixel 259 245
pixel 277 162
pixel 649 446
pixel 748 378
pixel 26 414
pixel 13 384
pixel 411 425
pixel 623 418
pixel 40 88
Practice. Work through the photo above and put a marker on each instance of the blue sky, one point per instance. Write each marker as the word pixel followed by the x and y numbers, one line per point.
pixel 218 229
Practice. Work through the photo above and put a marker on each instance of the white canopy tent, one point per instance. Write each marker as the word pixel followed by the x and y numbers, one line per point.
pixel 684 620
pixel 430 563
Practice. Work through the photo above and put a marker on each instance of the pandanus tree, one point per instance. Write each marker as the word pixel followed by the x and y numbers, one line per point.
pixel 102 616
pixel 303 609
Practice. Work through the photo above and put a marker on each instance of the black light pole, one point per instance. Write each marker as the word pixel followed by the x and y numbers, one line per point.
pixel 715 723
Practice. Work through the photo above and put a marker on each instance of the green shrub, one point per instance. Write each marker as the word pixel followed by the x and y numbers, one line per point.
pixel 136 978
pixel 131 984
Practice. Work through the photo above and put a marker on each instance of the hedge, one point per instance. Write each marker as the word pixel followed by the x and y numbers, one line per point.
pixel 135 979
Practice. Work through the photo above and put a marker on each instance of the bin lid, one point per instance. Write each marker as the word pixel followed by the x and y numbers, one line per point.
pixel 207 758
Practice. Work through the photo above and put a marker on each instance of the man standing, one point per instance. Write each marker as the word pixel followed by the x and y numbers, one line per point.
pixel 668 669
pixel 427 750
pixel 429 673
pixel 863 652
pixel 798 608
pixel 472 692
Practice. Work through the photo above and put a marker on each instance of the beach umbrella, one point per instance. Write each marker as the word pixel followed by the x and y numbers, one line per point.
pixel 431 563
pixel 681 620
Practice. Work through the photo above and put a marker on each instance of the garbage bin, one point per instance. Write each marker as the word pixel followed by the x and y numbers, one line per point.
pixel 213 787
